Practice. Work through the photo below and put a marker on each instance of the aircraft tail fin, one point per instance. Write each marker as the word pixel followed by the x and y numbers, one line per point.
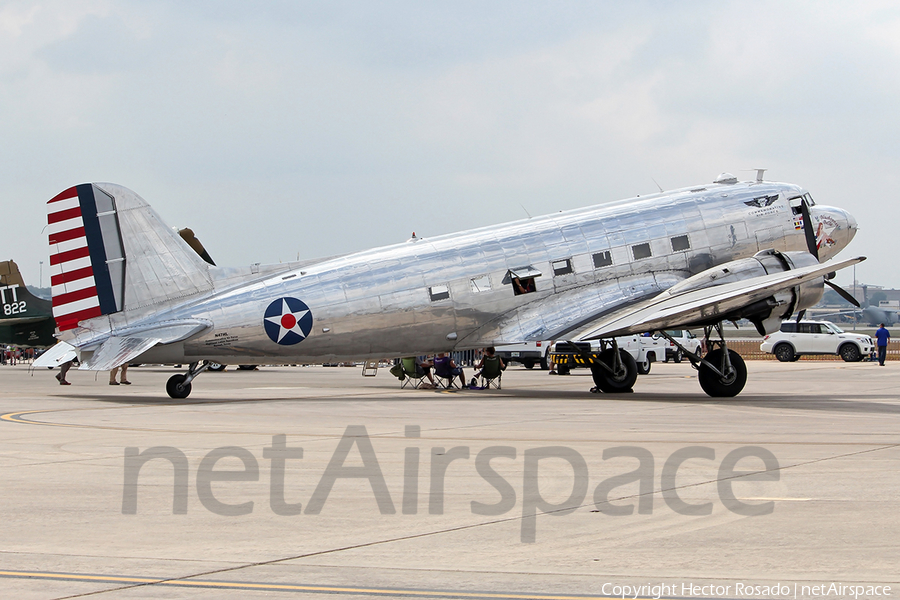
pixel 110 252
pixel 10 275
pixel 17 303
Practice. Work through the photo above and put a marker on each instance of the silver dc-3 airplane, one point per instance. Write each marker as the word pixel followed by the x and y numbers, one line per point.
pixel 128 288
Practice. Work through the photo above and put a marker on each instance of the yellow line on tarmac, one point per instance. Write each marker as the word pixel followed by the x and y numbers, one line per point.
pixel 285 587
pixel 16 417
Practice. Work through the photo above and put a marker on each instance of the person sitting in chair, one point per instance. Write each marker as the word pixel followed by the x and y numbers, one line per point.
pixel 488 356
pixel 488 359
pixel 423 367
pixel 446 368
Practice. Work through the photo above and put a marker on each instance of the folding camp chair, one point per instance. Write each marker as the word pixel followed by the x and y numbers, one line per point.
pixel 415 375
pixel 444 377
pixel 491 374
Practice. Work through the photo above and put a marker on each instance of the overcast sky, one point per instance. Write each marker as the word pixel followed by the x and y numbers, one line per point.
pixel 279 130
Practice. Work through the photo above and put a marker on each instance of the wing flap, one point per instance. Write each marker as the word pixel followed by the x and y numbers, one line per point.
pixel 117 351
pixel 55 356
pixel 667 311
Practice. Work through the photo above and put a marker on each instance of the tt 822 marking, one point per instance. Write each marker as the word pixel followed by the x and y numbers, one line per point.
pixel 16 308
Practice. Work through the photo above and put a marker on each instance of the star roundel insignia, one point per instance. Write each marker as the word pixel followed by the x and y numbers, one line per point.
pixel 287 321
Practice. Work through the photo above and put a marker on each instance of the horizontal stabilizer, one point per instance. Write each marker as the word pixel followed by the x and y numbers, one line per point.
pixel 117 351
pixel 55 356
pixel 668 311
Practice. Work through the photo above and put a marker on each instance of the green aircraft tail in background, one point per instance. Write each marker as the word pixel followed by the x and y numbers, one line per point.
pixel 25 319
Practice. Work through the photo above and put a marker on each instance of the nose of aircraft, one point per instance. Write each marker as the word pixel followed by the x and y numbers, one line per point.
pixel 834 228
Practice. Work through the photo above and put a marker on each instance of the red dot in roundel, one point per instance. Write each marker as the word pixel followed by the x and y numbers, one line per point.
pixel 288 321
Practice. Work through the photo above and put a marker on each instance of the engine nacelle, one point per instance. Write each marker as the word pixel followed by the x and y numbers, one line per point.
pixel 768 313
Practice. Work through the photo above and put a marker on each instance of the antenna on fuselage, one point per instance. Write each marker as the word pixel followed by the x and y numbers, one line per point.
pixel 658 186
pixel 759 174
pixel 526 210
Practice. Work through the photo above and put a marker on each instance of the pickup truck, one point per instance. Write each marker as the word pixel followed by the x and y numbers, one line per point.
pixel 684 337
pixel 527 353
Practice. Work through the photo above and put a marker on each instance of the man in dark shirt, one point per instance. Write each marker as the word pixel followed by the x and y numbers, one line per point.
pixel 883 336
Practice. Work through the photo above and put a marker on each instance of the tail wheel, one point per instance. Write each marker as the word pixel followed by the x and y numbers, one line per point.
pixel 850 353
pixel 732 383
pixel 177 388
pixel 784 353
pixel 619 382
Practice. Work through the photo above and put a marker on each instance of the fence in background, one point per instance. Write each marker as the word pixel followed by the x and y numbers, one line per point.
pixel 749 350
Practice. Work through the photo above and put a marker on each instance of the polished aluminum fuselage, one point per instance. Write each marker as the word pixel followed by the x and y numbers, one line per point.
pixel 389 301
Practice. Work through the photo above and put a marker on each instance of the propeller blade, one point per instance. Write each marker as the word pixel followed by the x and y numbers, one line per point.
pixel 843 293
pixel 808 229
pixel 800 315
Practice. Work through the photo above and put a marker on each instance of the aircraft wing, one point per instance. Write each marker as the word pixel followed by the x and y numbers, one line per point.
pixel 692 308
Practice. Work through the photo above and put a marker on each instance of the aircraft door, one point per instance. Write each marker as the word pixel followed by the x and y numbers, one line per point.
pixel 772 237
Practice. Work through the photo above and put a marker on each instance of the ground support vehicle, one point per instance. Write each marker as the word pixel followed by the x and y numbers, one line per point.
pixel 643 349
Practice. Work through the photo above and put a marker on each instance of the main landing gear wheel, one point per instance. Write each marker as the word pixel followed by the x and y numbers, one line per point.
pixel 622 380
pixel 177 388
pixel 729 385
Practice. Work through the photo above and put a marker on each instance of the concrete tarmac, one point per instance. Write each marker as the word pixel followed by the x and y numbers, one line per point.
pixel 538 490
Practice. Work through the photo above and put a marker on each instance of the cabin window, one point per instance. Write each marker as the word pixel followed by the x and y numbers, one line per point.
pixel 522 279
pixel 602 259
pixel 641 251
pixel 796 201
pixel 524 285
pixel 562 267
pixel 680 243
pixel 439 292
pixel 480 284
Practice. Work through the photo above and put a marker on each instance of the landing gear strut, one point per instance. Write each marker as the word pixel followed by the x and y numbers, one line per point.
pixel 614 370
pixel 179 386
pixel 722 372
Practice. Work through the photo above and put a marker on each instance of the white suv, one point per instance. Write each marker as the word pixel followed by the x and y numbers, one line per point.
pixel 815 337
